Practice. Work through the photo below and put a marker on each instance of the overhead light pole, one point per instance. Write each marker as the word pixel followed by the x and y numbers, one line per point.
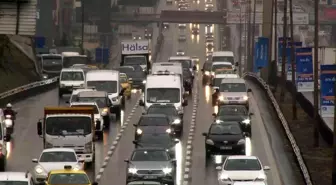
pixel 316 77
pixel 283 58
pixel 82 28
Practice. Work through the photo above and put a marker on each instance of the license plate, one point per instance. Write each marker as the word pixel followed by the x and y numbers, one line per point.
pixel 226 147
pixel 150 177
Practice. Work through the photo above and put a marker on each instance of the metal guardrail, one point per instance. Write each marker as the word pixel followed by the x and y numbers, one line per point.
pixel 295 147
pixel 28 87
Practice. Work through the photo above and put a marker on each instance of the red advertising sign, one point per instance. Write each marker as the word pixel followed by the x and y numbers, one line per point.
pixel 329 13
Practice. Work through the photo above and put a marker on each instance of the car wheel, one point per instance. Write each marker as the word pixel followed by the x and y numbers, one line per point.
pixel 118 114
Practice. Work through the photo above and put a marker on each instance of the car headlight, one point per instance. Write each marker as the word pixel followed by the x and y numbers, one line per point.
pixel 132 170
pixel 139 131
pixel 224 177
pixel 88 147
pixel 246 121
pixel 207 73
pixel 77 167
pixel 177 121
pixel 209 142
pixel 245 98
pixel 144 81
pixel 167 170
pixel 213 73
pixel 221 98
pixel 39 169
pixel 241 142
pixel 218 121
pixel 44 76
pixel 261 177
pixel 168 130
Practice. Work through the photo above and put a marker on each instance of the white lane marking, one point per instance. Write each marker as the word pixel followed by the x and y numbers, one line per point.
pixel 188 154
pixel 115 142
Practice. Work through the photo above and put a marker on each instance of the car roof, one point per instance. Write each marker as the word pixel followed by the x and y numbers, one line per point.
pixel 15 176
pixel 233 80
pixel 154 115
pixel 242 157
pixel 92 94
pixel 72 70
pixel 68 171
pixel 232 106
pixel 180 57
pixel 149 148
pixel 76 91
pixel 221 63
pixel 83 103
pixel 58 150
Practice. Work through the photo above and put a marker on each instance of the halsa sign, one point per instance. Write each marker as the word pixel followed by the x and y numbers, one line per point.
pixel 134 47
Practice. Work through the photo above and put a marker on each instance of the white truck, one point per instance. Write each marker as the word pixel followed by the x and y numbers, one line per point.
pixel 68 127
pixel 135 53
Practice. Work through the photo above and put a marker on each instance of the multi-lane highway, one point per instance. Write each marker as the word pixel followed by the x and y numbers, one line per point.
pixel 267 142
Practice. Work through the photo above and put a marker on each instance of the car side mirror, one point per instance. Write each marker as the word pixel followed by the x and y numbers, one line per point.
pixel 185 103
pixel 126 161
pixel 249 90
pixel 34 160
pixel 246 134
pixel 251 114
pixel 218 168
pixel 214 114
pixel 267 168
pixel 236 64
pixel 39 128
pixel 204 134
pixel 141 103
pixel 95 183
pixel 81 160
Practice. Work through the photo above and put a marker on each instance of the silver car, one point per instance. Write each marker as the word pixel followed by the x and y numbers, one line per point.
pixel 55 159
pixel 233 91
pixel 151 164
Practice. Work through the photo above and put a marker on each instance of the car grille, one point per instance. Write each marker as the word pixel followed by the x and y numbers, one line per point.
pixel 150 172
pixel 233 98
pixel 243 180
pixel 221 143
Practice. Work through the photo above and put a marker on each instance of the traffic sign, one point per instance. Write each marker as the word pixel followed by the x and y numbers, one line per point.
pixel 102 55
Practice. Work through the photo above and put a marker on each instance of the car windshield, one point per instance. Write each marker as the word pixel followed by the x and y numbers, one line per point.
pixel 231 110
pixel 58 157
pixel 222 129
pixel 72 76
pixel 6 182
pixel 223 58
pixel 70 61
pixel 217 82
pixel 101 101
pixel 68 178
pixel 232 87
pixel 185 63
pixel 153 121
pixel 221 67
pixel 242 165
pixel 156 140
pixel 65 126
pixel 166 110
pixel 123 79
pixel 52 60
pixel 150 155
pixel 163 95
pixel 126 70
pixel 135 61
pixel 95 108
pixel 107 86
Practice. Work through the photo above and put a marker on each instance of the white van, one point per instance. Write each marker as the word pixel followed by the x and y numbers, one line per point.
pixel 108 81
pixel 170 67
pixel 72 58
pixel 186 61
pixel 216 82
pixel 233 91
pixel 226 56
pixel 70 78
pixel 219 67
pixel 164 89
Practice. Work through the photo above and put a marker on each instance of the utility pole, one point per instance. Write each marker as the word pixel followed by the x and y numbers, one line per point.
pixel 334 144
pixel 284 48
pixel 294 117
pixel 82 29
pixel 253 32
pixel 316 77
pixel 249 61
pixel 275 40
pixel 240 40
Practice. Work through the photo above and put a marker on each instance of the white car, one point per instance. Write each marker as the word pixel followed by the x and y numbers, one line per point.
pixel 182 25
pixel 182 38
pixel 241 168
pixel 70 78
pixel 74 95
pixel 98 116
pixel 55 159
pixel 16 178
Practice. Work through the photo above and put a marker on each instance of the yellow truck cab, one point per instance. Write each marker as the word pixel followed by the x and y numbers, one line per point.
pixel 126 84
pixel 68 176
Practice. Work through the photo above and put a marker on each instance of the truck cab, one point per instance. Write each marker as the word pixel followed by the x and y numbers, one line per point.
pixel 66 127
pixel 135 53
pixel 51 65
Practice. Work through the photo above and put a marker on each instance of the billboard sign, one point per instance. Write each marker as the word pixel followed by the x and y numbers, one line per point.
pixel 237 18
pixel 102 55
pixel 263 47
pixel 304 69
pixel 256 63
pixel 328 78
pixel 280 44
pixel 298 18
pixel 289 58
